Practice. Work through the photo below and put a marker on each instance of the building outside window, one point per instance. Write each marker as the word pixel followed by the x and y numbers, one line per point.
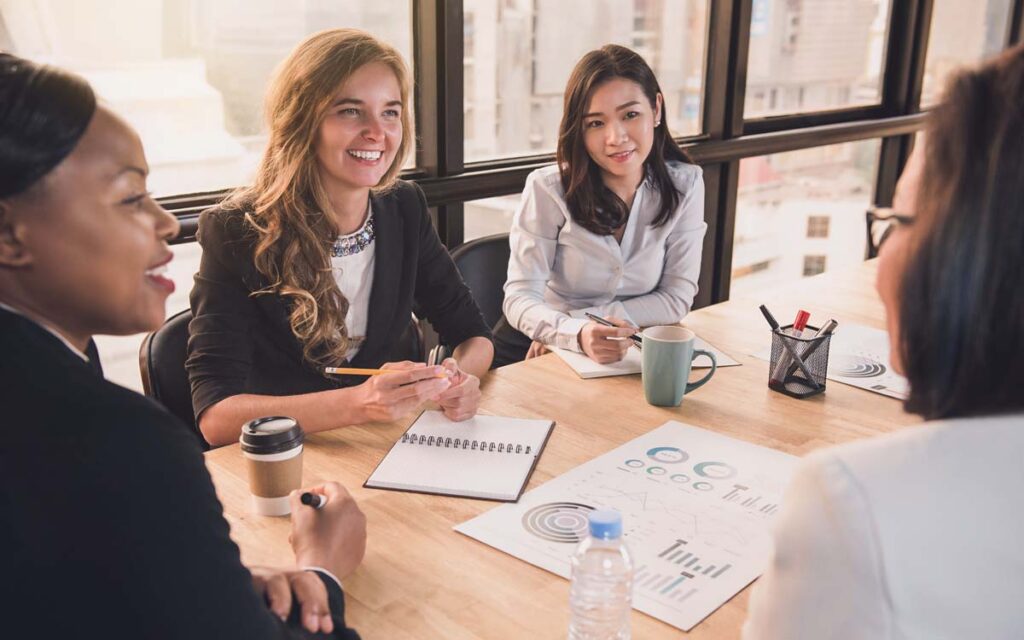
pixel 817 226
pixel 813 265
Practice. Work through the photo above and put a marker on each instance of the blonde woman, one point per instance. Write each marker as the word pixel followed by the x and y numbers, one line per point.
pixel 320 261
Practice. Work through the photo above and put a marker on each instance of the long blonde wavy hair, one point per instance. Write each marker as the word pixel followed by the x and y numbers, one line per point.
pixel 287 205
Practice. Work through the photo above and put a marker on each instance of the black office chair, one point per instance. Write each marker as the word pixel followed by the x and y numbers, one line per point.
pixel 162 365
pixel 483 264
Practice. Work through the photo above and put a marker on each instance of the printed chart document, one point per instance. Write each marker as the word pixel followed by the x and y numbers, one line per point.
pixel 485 457
pixel 859 356
pixel 632 362
pixel 696 508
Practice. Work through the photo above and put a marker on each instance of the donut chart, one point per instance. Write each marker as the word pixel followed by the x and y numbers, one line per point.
pixel 715 470
pixel 564 522
pixel 857 367
pixel 668 455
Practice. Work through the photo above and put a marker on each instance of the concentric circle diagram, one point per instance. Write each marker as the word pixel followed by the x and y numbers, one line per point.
pixel 715 470
pixel 558 521
pixel 667 455
pixel 857 367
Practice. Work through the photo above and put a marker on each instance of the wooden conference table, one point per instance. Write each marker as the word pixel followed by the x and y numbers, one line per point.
pixel 421 579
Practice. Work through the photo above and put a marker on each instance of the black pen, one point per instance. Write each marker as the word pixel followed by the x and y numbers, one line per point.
pixel 637 340
pixel 314 500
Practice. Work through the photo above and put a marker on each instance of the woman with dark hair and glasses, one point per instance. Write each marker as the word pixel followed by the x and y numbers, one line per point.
pixel 918 534
pixel 109 524
pixel 614 228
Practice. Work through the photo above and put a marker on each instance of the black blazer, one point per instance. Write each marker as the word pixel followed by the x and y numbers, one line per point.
pixel 109 524
pixel 241 343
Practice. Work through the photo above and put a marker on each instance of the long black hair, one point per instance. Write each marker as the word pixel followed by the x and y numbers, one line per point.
pixel 592 204
pixel 961 313
pixel 43 113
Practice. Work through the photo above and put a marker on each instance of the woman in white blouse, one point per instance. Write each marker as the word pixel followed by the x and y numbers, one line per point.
pixel 918 534
pixel 615 228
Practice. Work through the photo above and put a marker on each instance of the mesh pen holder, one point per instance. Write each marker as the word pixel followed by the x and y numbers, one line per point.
pixel 804 378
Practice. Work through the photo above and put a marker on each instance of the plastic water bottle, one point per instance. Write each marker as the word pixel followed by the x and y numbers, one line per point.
pixel 601 592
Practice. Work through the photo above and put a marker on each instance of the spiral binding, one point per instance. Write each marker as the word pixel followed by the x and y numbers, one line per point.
pixel 460 443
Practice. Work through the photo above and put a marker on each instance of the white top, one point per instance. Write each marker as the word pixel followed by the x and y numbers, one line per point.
pixel 354 274
pixel 558 270
pixel 912 535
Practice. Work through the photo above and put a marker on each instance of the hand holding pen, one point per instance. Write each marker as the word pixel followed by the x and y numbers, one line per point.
pixel 606 340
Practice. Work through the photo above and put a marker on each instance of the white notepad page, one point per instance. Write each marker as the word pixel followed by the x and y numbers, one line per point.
pixel 631 363
pixel 489 470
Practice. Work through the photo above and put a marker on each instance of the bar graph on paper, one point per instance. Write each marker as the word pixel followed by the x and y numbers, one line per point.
pixel 696 508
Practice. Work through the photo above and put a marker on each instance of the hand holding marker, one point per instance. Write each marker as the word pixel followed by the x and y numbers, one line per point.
pixel 314 500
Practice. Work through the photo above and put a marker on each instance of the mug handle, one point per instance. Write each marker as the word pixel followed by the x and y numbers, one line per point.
pixel 690 386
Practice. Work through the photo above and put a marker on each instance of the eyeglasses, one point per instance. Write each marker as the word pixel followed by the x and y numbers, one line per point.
pixel 880 223
pixel 888 214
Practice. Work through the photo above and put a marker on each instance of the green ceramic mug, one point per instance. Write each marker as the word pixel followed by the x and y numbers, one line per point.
pixel 668 354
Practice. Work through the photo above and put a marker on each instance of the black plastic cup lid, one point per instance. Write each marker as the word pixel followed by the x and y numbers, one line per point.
pixel 272 434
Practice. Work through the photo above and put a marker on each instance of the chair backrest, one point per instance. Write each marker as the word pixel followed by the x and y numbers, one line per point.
pixel 162 365
pixel 483 264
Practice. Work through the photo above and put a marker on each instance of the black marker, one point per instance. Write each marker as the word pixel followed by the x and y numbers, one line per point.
pixel 314 500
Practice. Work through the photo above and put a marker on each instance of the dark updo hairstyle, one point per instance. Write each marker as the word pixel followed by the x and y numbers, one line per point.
pixel 593 205
pixel 961 295
pixel 43 113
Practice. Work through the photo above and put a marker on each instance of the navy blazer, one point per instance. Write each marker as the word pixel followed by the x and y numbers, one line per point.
pixel 243 343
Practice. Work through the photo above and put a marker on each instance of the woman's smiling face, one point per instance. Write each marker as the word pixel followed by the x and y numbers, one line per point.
pixel 362 130
pixel 93 241
pixel 618 128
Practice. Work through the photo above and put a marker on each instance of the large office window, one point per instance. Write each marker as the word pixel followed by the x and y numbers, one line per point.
pixel 814 55
pixel 963 32
pixel 780 194
pixel 519 53
pixel 189 75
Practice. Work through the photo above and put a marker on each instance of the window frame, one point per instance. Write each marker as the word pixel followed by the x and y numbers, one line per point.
pixel 727 137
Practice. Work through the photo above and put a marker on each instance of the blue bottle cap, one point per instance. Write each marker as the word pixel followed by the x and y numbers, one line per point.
pixel 605 524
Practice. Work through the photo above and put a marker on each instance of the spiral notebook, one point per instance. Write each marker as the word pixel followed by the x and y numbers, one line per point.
pixel 485 457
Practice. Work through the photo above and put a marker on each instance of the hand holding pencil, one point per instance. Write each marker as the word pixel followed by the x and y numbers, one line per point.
pixel 396 389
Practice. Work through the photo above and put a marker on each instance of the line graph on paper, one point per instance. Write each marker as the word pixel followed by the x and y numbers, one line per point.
pixel 696 508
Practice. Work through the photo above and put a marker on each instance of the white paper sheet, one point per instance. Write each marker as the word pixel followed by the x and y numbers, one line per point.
pixel 696 510
pixel 632 362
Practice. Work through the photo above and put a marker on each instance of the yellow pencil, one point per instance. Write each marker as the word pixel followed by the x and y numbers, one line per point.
pixel 356 371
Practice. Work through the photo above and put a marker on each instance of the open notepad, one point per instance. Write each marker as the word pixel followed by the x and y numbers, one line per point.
pixel 485 457
pixel 632 362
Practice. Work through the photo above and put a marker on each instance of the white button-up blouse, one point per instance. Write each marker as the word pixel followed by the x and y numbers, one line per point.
pixel 558 270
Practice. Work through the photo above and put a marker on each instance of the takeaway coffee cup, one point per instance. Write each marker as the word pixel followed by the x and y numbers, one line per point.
pixel 272 447
pixel 668 354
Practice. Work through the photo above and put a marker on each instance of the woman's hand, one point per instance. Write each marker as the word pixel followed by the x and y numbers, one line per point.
pixel 389 396
pixel 606 345
pixel 462 399
pixel 332 537
pixel 536 350
pixel 278 586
